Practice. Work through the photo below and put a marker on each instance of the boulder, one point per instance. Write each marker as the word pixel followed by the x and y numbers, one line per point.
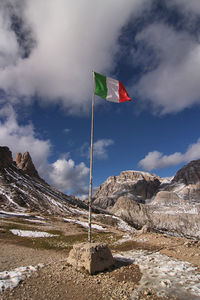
pixel 94 257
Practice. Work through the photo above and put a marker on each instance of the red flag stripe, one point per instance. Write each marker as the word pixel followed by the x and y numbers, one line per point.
pixel 123 95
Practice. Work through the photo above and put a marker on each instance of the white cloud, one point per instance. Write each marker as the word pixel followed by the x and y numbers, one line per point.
pixel 100 148
pixel 155 160
pixel 22 138
pixel 66 176
pixel 189 6
pixel 8 43
pixel 72 38
pixel 174 84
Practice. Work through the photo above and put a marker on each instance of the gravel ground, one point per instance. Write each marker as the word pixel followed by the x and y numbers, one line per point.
pixel 57 280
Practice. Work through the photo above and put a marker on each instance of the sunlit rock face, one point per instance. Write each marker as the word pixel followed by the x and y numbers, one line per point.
pixel 171 205
pixel 135 185
pixel 24 162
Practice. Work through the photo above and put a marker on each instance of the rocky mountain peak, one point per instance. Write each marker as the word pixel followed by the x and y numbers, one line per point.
pixel 136 185
pixel 137 175
pixel 24 162
pixel 5 157
pixel 189 174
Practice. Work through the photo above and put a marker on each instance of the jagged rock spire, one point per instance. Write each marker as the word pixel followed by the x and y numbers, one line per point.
pixel 24 162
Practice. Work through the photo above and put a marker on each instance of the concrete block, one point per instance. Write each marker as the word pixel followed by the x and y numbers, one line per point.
pixel 94 257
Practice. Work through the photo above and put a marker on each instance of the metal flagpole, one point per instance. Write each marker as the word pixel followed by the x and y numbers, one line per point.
pixel 91 166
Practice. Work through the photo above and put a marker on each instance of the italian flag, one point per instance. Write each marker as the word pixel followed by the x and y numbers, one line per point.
pixel 110 89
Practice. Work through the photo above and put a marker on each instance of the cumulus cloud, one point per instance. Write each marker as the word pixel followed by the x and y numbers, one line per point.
pixel 22 138
pixel 64 42
pixel 174 83
pixel 66 176
pixel 64 173
pixel 100 150
pixel 53 56
pixel 155 159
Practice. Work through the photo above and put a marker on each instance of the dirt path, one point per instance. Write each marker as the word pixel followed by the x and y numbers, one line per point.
pixel 14 256
pixel 57 280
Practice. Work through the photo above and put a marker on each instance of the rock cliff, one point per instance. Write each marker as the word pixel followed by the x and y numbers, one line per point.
pixel 138 186
pixel 140 198
pixel 176 218
pixel 5 157
pixel 189 174
pixel 24 162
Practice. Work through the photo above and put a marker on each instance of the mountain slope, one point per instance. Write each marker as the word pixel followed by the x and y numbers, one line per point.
pixel 22 188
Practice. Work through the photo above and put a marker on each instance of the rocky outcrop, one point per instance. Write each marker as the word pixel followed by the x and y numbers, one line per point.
pixel 177 218
pixel 5 157
pixel 189 174
pixel 186 183
pixel 138 186
pixel 165 198
pixel 24 162
pixel 134 213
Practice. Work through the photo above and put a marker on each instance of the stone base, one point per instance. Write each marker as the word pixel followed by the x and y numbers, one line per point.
pixel 94 257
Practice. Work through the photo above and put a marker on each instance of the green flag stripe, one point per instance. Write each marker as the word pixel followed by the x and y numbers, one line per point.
pixel 100 85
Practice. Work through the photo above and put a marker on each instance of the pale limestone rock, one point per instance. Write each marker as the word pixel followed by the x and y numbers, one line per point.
pixel 136 185
pixel 177 218
pixel 24 162
pixel 94 257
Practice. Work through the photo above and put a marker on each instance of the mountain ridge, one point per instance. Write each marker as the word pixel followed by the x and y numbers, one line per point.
pixel 22 189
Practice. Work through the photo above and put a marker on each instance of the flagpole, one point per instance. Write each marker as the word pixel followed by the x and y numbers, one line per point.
pixel 91 167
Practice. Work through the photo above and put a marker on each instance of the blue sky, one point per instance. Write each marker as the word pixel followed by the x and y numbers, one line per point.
pixel 46 86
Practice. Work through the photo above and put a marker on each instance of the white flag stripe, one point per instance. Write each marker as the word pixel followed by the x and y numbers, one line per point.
pixel 113 90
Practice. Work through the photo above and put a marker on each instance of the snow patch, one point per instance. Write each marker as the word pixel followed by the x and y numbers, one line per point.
pixel 14 213
pixel 125 238
pixel 166 180
pixel 177 210
pixel 35 221
pixel 32 234
pixel 77 211
pixel 11 279
pixel 166 276
pixel 85 224
pixel 122 225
